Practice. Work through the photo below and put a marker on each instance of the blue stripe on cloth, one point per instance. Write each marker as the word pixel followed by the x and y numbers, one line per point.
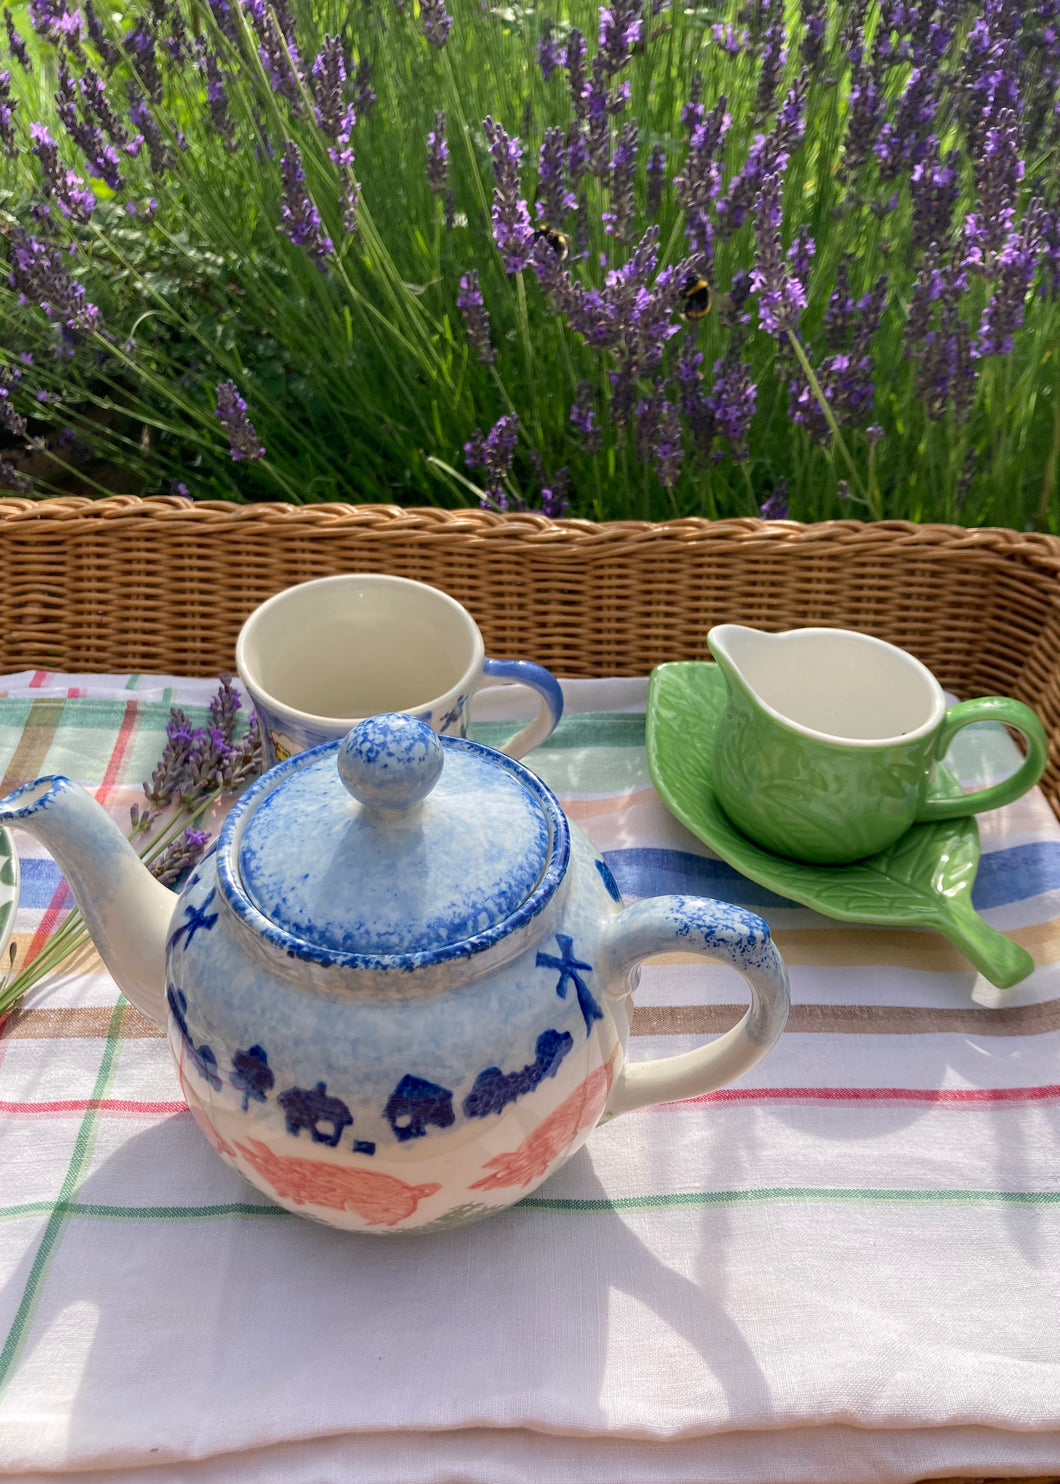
pixel 1004 876
pixel 38 880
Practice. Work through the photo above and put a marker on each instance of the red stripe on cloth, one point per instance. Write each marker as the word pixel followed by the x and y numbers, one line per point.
pixel 75 692
pixel 103 1105
pixel 951 1095
pixel 117 757
pixel 39 677
pixel 49 921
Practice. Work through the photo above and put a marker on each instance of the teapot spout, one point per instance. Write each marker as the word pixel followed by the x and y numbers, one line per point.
pixel 127 912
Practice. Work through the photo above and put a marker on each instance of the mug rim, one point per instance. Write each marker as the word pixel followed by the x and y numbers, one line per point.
pixel 832 739
pixel 259 693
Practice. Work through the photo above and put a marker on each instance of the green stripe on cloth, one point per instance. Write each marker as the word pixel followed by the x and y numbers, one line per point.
pixel 694 1198
pixel 59 1218
pixel 799 1193
pixel 584 729
pixel 142 1213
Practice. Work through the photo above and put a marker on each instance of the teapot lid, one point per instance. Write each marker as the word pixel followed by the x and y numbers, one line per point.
pixel 392 842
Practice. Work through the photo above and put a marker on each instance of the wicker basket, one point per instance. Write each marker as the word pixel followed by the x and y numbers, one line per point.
pixel 163 585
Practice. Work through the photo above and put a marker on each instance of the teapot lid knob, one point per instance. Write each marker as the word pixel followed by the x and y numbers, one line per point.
pixel 390 761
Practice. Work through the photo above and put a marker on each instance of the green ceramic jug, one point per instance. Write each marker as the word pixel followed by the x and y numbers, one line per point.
pixel 826 748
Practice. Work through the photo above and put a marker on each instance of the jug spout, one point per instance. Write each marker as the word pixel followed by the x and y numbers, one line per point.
pixel 737 649
pixel 127 912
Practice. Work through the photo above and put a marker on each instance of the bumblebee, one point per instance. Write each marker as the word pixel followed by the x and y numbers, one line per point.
pixel 697 298
pixel 559 242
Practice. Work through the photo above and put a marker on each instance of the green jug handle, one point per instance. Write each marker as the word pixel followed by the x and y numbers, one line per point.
pixel 989 708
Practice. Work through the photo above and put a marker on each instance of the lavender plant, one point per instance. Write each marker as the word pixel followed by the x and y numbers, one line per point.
pixel 445 252
pixel 198 766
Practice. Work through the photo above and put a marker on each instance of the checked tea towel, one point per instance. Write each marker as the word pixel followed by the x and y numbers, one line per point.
pixel 843 1269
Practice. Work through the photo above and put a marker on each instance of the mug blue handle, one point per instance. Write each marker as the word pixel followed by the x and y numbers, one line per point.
pixel 524 672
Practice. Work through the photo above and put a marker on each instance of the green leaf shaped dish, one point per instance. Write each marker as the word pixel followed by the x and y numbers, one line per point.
pixel 924 880
pixel 8 892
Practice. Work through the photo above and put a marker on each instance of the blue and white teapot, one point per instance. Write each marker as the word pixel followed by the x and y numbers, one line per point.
pixel 397 991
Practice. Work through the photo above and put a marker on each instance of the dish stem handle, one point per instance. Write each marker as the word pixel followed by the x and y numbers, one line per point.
pixel 722 935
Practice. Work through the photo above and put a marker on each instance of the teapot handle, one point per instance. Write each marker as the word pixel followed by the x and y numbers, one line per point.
pixel 722 935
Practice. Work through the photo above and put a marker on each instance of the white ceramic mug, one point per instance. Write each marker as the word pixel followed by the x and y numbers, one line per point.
pixel 318 658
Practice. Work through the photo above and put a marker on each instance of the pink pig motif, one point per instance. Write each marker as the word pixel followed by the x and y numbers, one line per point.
pixel 537 1151
pixel 382 1200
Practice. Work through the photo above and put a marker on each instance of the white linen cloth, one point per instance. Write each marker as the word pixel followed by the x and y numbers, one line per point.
pixel 844 1270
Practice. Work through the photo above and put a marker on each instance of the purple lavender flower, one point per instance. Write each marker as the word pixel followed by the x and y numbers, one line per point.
pixel 666 451
pixel 623 163
pixel 100 157
pixel 231 412
pixel 621 27
pixel 801 254
pixel 695 404
pixel 7 114
pixel 67 188
pixel 476 317
pixel 699 184
pixel 335 117
pixel 349 188
pixel 144 120
pixel 10 418
pixel 577 154
pixel 438 155
pixel 655 172
pixel 1016 267
pixel 774 60
pixel 768 154
pixel 364 97
pixel 728 38
pixel 933 190
pixel 598 128
pixel 583 416
pixel 51 20
pixel 845 378
pixel 812 16
pixel 301 220
pixel 108 53
pixel 864 113
pixel 16 46
pixel 554 199
pixel 511 219
pixel 494 454
pixel 998 172
pixel 781 296
pixel 577 75
pixel 38 274
pixel 278 54
pixel 554 501
pixel 14 479
pixel 95 101
pixel 903 141
pixel 732 401
pixel 775 505
pixel 179 856
pixel 548 58
pixel 436 22
pixel 176 43
pixel 140 46
pixel 217 97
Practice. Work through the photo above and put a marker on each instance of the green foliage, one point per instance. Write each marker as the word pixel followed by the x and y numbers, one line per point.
pixel 360 380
